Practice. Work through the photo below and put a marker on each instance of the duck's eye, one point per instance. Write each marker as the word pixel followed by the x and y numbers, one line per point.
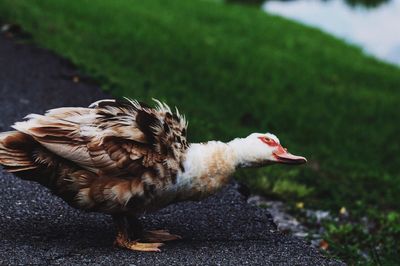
pixel 268 141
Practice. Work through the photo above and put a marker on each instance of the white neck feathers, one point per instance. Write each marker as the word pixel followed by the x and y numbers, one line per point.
pixel 208 166
pixel 245 155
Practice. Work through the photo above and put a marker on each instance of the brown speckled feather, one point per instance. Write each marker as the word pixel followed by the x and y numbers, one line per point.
pixel 112 157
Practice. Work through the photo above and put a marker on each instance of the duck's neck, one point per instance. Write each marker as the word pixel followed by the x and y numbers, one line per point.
pixel 207 168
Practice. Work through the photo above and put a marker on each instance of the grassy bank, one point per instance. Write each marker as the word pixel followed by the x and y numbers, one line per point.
pixel 235 70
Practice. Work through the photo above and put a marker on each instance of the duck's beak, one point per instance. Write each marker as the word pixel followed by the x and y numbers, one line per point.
pixel 283 156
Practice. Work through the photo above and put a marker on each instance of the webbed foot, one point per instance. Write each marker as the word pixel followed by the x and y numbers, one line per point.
pixel 123 242
pixel 160 236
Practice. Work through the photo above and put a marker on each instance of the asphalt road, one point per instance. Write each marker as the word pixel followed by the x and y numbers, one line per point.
pixel 38 228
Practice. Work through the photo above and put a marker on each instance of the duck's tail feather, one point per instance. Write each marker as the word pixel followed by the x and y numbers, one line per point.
pixel 22 155
pixel 16 151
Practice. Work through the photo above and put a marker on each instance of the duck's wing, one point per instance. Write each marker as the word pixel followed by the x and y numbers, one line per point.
pixel 113 138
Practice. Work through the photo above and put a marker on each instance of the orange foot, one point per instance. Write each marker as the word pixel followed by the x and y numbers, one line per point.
pixel 160 236
pixel 123 242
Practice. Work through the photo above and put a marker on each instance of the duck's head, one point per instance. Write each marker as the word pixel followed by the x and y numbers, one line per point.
pixel 262 149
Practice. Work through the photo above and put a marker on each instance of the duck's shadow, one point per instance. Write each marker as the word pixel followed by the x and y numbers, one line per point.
pixel 210 220
pixel 87 233
pixel 78 232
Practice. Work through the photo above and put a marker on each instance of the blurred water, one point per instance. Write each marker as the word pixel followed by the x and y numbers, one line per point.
pixel 376 30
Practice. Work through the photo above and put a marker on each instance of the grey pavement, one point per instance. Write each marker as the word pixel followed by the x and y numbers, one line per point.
pixel 39 228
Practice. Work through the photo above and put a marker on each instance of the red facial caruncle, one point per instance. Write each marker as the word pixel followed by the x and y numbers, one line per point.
pixel 280 154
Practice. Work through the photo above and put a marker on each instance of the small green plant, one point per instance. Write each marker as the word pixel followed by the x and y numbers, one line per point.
pixel 282 187
pixel 374 239
pixel 285 186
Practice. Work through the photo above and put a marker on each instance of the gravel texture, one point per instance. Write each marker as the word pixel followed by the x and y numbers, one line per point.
pixel 38 228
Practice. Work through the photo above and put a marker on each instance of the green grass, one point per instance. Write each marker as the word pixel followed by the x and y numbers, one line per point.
pixel 235 70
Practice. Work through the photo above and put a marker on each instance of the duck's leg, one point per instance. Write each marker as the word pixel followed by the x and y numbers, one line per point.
pixel 124 237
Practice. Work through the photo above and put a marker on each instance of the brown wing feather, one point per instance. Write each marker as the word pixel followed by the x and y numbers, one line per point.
pixel 113 138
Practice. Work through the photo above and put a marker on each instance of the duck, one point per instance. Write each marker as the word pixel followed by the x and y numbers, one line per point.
pixel 123 158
